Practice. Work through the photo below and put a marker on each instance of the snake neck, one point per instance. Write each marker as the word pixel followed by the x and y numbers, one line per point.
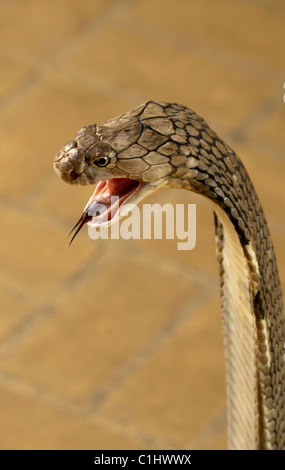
pixel 252 307
pixel 253 347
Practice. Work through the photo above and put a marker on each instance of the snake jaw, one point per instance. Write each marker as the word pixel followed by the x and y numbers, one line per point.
pixel 105 205
pixel 108 197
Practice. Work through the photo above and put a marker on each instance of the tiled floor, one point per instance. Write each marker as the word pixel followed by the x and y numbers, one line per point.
pixel 118 344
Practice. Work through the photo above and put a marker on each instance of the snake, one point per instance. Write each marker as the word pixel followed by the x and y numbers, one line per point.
pixel 167 145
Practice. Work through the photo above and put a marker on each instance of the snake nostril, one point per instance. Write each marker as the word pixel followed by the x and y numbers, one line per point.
pixel 73 175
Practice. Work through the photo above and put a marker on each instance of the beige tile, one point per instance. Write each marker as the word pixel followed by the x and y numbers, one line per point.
pixel 250 30
pixel 221 442
pixel 62 201
pixel 214 435
pixel 203 256
pixel 100 327
pixel 271 129
pixel 39 123
pixel 35 425
pixel 14 308
pixel 194 54
pixel 267 174
pixel 171 74
pixel 43 27
pixel 13 73
pixel 34 254
pixel 181 387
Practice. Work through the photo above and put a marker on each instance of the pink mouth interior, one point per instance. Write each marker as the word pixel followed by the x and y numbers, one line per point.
pixel 109 196
pixel 106 200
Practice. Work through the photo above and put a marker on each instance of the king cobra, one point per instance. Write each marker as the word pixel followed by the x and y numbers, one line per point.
pixel 161 145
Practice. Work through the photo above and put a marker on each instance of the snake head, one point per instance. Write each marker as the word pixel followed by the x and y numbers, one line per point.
pixel 131 156
pixel 120 155
pixel 83 160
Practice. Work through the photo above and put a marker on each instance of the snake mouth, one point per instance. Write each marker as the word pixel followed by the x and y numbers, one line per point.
pixel 104 204
pixel 108 197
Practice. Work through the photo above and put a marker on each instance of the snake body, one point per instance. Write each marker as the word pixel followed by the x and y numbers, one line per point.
pixel 163 144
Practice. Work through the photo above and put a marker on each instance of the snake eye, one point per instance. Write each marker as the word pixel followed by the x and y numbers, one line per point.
pixel 102 161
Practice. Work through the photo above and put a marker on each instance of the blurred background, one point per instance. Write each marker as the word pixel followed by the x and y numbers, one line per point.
pixel 115 344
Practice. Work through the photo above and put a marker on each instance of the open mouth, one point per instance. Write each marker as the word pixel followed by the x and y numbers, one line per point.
pixel 104 204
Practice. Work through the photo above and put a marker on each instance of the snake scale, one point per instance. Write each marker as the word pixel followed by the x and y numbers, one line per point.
pixel 161 145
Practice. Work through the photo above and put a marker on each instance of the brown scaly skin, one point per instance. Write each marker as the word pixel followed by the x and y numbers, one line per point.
pixel 168 144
